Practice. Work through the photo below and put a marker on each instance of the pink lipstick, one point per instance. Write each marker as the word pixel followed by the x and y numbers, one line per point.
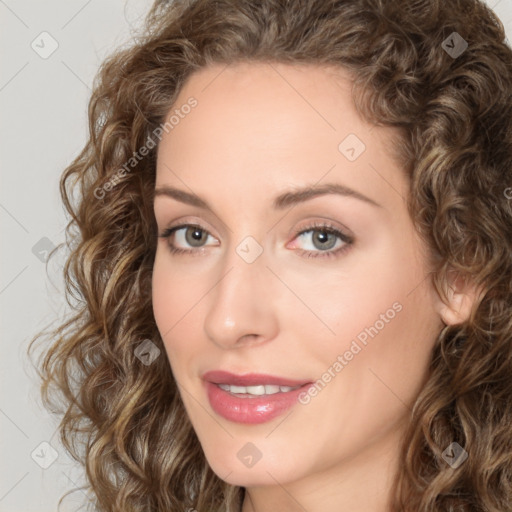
pixel 251 398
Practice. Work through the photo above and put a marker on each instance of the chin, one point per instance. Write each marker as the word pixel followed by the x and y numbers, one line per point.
pixel 262 473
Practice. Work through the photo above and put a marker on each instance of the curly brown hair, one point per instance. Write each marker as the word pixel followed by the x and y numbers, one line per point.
pixel 127 424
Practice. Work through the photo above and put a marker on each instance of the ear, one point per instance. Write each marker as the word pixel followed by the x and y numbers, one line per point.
pixel 461 294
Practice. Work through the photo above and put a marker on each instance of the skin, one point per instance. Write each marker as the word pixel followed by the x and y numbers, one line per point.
pixel 260 130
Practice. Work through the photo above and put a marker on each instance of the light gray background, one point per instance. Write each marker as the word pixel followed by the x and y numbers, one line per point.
pixel 43 126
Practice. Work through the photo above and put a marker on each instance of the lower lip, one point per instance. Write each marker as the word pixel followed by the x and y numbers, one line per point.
pixel 251 410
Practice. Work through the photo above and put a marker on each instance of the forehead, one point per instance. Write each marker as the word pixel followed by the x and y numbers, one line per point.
pixel 270 96
pixel 272 123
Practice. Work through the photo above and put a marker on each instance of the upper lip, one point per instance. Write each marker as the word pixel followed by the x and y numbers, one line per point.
pixel 250 379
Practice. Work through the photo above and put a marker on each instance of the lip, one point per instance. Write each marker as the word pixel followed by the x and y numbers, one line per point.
pixel 250 410
pixel 250 379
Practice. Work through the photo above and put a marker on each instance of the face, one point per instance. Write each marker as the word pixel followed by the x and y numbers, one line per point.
pixel 288 260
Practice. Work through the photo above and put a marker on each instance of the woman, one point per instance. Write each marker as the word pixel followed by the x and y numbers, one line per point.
pixel 293 262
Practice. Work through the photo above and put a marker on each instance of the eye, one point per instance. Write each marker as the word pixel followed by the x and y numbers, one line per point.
pixel 322 240
pixel 187 237
pixel 318 240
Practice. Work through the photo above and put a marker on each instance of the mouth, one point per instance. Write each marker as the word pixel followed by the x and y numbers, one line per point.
pixel 251 398
pixel 250 379
pixel 255 391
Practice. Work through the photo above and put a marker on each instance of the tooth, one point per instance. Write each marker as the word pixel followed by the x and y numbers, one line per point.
pixel 256 390
pixel 238 389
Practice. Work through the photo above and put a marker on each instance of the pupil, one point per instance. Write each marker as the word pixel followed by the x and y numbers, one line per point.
pixel 323 237
pixel 194 235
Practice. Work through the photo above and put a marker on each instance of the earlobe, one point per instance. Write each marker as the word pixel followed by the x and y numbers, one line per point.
pixel 461 293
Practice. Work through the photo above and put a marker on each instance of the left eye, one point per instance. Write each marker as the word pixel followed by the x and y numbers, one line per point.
pixel 320 239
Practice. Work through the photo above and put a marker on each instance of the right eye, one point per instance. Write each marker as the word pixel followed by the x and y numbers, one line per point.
pixel 185 237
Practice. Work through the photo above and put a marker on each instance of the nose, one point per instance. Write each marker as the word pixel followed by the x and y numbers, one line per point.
pixel 241 310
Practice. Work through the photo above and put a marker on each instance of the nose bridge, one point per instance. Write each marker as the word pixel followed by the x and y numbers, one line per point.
pixel 240 304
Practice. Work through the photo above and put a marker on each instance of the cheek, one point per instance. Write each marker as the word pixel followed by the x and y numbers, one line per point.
pixel 163 296
pixel 174 292
pixel 378 314
pixel 385 330
pixel 346 300
pixel 174 298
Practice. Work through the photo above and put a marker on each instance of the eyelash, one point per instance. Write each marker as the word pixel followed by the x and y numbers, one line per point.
pixel 324 227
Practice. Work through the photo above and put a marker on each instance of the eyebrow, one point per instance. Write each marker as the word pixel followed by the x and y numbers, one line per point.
pixel 280 202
